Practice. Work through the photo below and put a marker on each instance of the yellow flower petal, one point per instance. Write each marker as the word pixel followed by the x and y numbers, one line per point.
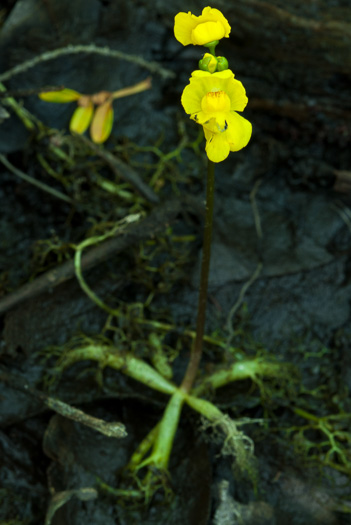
pixel 215 102
pixel 237 94
pixel 191 98
pixel 60 97
pixel 201 82
pixel 239 131
pixel 210 100
pixel 210 13
pixel 81 119
pixel 217 123
pixel 227 73
pixel 199 30
pixel 225 81
pixel 184 23
pixel 217 147
pixel 101 126
pixel 207 32
pixel 220 87
pixel 235 136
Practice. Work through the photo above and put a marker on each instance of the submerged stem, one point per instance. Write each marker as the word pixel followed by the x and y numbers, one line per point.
pixel 196 350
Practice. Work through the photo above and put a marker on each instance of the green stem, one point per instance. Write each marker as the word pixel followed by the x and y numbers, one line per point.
pixel 196 351
pixel 166 431
pixel 212 47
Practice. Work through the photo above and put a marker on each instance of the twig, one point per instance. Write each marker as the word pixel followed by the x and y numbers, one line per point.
pixel 70 50
pixel 41 185
pixel 256 274
pixel 152 225
pixel 121 170
pixel 108 429
pixel 28 92
pixel 234 308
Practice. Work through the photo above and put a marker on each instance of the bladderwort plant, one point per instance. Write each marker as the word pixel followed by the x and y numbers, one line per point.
pixel 212 99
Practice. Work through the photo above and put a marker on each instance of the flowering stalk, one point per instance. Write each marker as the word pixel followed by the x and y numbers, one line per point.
pixel 212 100
pixel 196 351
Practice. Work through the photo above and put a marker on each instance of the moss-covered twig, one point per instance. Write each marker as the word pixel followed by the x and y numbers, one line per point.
pixel 154 67
pixel 110 429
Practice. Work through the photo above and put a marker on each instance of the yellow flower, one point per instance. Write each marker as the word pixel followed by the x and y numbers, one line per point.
pixel 200 30
pixel 101 119
pixel 212 100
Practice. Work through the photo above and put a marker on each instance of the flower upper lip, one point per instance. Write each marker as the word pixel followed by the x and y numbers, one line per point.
pixel 200 30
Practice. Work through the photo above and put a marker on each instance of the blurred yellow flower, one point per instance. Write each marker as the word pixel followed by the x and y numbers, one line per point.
pixel 60 97
pixel 210 26
pixel 99 119
pixel 212 100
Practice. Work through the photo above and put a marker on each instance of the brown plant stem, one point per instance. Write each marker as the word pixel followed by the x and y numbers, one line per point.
pixel 196 351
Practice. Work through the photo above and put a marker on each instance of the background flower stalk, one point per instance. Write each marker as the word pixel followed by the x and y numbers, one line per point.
pixel 100 119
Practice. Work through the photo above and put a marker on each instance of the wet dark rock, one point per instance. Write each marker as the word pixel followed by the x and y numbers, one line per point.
pixel 22 478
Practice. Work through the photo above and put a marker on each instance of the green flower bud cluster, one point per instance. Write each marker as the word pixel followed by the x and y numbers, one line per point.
pixel 212 63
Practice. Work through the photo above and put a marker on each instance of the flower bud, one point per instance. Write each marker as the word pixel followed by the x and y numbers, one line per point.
pixel 102 123
pixel 81 118
pixel 208 63
pixel 222 64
